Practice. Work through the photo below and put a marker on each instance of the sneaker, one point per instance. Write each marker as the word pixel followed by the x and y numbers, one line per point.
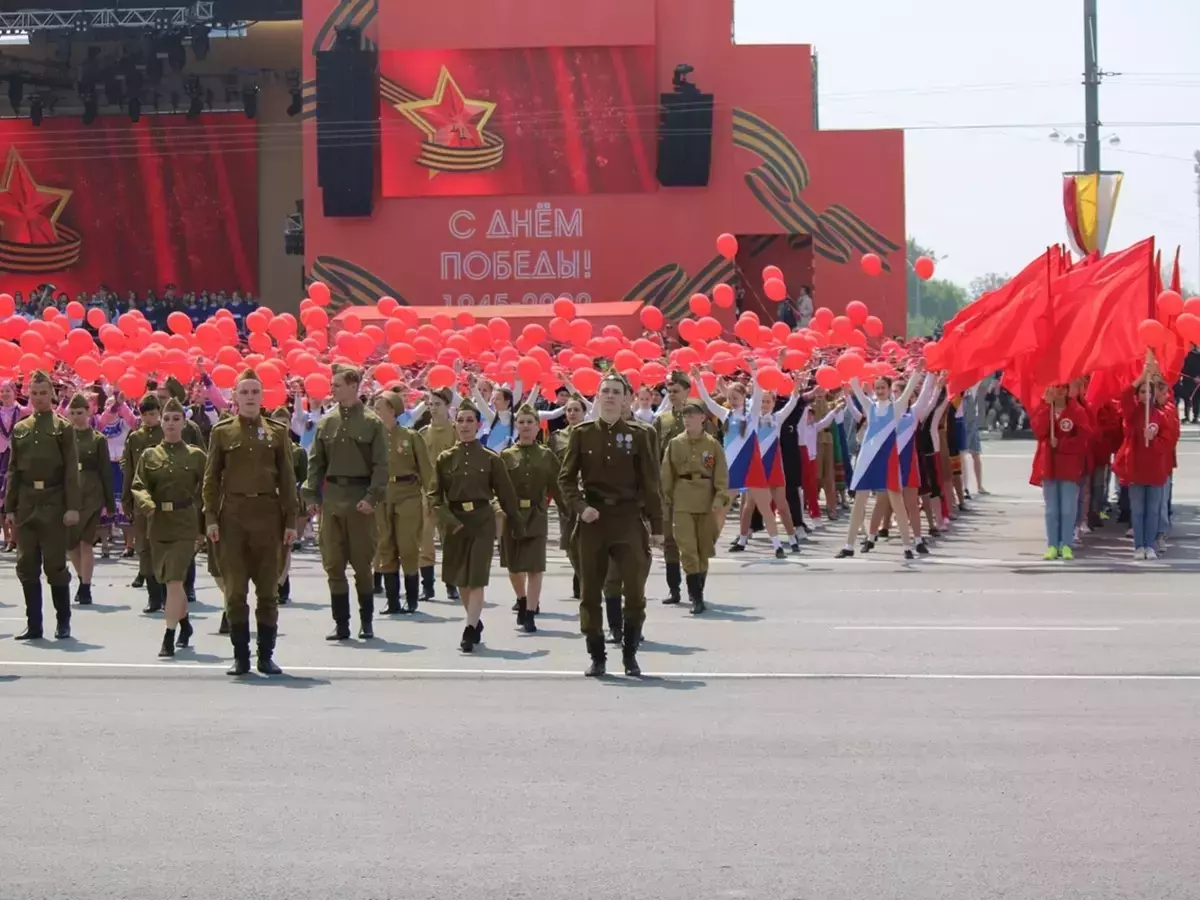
pixel 1150 554
pixel 908 554
pixel 780 553
pixel 921 548
pixel 867 546
pixel 844 553
pixel 883 534
pixel 1050 554
pixel 1139 553
pixel 737 547
pixel 1066 553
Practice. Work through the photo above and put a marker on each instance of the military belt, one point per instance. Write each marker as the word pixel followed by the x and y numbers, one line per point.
pixel 90 466
pixel 173 505
pixel 403 479
pixel 596 500
pixel 271 493
pixel 349 480
pixel 45 485
pixel 693 477
pixel 469 505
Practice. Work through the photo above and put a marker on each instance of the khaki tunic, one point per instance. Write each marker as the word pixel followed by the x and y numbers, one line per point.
pixel 695 481
pixel 168 492
pixel 95 484
pixel 438 439
pixel 533 470
pixel 613 585
pixel 250 495
pixel 669 426
pixel 43 483
pixel 348 463
pixel 467 478
pixel 400 518
pixel 139 441
pixel 566 520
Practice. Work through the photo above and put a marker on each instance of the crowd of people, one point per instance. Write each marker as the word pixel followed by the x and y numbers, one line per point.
pixel 199 306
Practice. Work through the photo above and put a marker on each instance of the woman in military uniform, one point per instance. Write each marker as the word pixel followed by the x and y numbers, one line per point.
pixel 168 491
pixel 575 412
pixel 533 470
pixel 96 486
pixel 399 517
pixel 439 435
pixel 467 478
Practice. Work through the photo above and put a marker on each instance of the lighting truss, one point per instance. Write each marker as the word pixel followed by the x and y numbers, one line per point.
pixel 31 20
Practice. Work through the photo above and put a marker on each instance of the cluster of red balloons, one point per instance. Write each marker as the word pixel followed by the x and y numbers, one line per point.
pixel 1173 313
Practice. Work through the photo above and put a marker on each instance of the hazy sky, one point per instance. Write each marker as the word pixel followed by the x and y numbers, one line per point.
pixel 991 199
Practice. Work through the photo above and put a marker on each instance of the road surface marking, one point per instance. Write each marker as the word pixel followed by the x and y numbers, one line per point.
pixel 576 673
pixel 975 628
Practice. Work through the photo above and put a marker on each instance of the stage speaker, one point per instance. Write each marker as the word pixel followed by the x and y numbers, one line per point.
pixel 685 130
pixel 347 126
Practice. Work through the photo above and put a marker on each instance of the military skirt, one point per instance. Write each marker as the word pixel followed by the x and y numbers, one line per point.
pixel 526 554
pixel 172 559
pixel 85 531
pixel 467 553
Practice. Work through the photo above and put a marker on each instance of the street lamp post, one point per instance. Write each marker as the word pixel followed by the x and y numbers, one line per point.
pixel 1079 142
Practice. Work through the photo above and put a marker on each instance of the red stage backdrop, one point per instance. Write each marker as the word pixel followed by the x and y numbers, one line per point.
pixel 571 206
pixel 130 206
pixel 575 120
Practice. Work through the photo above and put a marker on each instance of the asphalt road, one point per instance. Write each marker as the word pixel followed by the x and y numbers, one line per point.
pixel 976 725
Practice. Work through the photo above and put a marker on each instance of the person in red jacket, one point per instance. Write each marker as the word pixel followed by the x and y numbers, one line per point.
pixel 1063 429
pixel 1147 456
pixel 1106 441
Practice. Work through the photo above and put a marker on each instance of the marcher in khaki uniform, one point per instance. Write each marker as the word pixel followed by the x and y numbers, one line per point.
pixel 195 433
pixel 610 479
pixel 695 481
pixel 468 477
pixel 250 508
pixel 168 491
pixel 141 439
pixel 575 412
pixel 96 494
pixel 825 464
pixel 42 496
pixel 399 519
pixel 533 470
pixel 347 479
pixel 439 436
pixel 283 416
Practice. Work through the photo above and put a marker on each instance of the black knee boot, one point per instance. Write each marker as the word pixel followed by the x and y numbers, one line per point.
pixel 267 635
pixel 185 633
pixel 366 613
pixel 412 592
pixel 155 601
pixel 574 587
pixel 60 594
pixel 629 653
pixel 340 604
pixel 285 591
pixel 595 648
pixel 612 610
pixel 223 628
pixel 427 582
pixel 519 606
pixel 189 583
pixel 239 636
pixel 674 582
pixel 391 589
pixel 695 586
pixel 33 611
pixel 378 582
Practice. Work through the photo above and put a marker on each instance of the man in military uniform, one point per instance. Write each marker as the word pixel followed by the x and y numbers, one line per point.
pixel 96 494
pixel 42 497
pixel 347 479
pixel 399 517
pixel 167 490
pixel 575 411
pixel 439 437
pixel 669 425
pixel 610 479
pixel 141 439
pixel 250 507
pixel 695 483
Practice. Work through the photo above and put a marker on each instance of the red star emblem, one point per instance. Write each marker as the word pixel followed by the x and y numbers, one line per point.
pixel 449 119
pixel 28 211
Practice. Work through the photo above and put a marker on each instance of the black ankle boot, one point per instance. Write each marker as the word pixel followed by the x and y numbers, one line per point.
pixel 340 604
pixel 452 592
pixel 427 582
pixel 189 583
pixel 520 608
pixel 83 595
pixel 239 636
pixel 267 635
pixel 139 580
pixel 674 582
pixel 185 633
pixel 391 590
pixel 595 648
pixel 168 644
pixel 60 596
pixel 285 591
pixel 629 654
pixel 33 611
pixel 378 582
pixel 366 613
pixel 223 628
pixel 530 623
pixel 467 644
pixel 574 587
pixel 412 592
pixel 612 612
pixel 695 587
pixel 155 601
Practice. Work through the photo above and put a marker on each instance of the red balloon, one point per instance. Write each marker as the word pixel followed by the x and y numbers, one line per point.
pixel 627 361
pixel 723 296
pixel 283 327
pixel 780 331
pixel 687 330
pixel 32 342
pixel 923 266
pixel 179 323
pixel 850 365
pixel 534 333
pixel 1188 326
pixel 841 328
pixel 112 368
pixel 228 329
pixel 768 377
pixel 699 305
pixel 50 313
pixel 1192 305
pixel 529 370
pixel 560 330
pixel 652 318
pixel 440 376
pixel 770 272
pixel 260 342
pixel 499 330
pixel 132 384
pixel 871 264
pixel 708 328
pixel 1151 332
pixel 727 246
pixel 95 318
pixel 856 312
pixel 402 354
pixel 386 374
pixel 873 326
pixel 464 319
pixel 80 342
pixel 775 290
pixel 319 294
pixel 351 321
pixel 828 378
pixel 795 360
pixel 317 384
pixel 386 305
pixel 581 331
pixel 564 308
pixel 7 305
pixel 313 319
pixel 75 311
pixel 647 349
pixel 87 367
pixel 1170 303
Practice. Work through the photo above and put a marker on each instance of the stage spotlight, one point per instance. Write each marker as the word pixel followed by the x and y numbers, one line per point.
pixel 16 92
pixel 297 104
pixel 91 107
pixel 200 44
pixel 135 109
pixel 35 109
pixel 250 100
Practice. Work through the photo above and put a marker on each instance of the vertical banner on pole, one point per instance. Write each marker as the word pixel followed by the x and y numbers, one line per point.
pixel 1089 202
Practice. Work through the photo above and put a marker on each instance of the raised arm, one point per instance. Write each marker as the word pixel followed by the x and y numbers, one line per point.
pixel 909 390
pixel 721 412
